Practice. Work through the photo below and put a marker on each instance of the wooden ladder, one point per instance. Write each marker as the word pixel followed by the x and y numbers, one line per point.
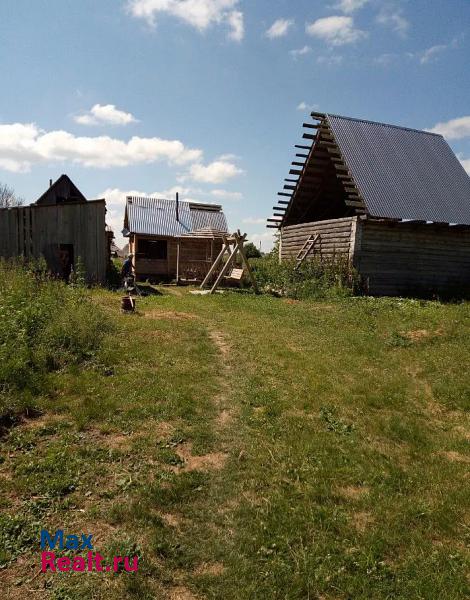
pixel 306 249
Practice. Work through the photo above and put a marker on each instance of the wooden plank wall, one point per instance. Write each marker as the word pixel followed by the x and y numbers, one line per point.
pixel 336 238
pixel 35 231
pixel 195 255
pixel 407 259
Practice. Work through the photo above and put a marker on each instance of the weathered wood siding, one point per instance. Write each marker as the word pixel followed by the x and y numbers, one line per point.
pixel 407 259
pixel 37 231
pixel 336 238
pixel 196 258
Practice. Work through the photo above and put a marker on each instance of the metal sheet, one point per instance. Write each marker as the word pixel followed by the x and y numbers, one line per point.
pixel 157 216
pixel 404 173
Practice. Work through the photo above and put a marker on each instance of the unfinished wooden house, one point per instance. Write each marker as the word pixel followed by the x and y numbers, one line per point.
pixel 61 226
pixel 173 239
pixel 394 201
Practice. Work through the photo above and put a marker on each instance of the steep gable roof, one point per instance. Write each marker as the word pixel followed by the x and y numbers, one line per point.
pixel 61 191
pixel 382 170
pixel 157 216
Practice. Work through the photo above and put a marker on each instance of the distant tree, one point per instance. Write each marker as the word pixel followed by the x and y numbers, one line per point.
pixel 251 251
pixel 8 198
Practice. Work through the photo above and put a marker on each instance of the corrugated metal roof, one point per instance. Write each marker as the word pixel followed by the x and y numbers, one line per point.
pixel 404 173
pixel 157 216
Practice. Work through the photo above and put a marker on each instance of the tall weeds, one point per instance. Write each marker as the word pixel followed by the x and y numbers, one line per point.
pixel 313 279
pixel 45 325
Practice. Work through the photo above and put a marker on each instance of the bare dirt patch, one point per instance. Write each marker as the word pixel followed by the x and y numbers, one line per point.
pixel 181 593
pixel 417 335
pixel 362 520
pixel 219 340
pixel 214 461
pixel 171 519
pixel 171 315
pixel 456 456
pixel 353 492
pixel 212 569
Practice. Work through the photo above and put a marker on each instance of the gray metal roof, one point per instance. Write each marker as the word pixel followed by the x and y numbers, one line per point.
pixel 157 216
pixel 404 173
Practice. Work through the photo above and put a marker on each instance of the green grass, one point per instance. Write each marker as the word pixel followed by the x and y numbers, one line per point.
pixel 340 470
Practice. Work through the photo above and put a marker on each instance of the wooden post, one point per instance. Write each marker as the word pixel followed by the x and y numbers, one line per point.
pixel 225 268
pixel 177 262
pixel 246 263
pixel 214 266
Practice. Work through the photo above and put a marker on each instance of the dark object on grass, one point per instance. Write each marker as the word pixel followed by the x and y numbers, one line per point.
pixel 127 304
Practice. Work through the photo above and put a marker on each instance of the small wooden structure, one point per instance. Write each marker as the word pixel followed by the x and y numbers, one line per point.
pixel 232 246
pixel 393 201
pixel 173 239
pixel 62 226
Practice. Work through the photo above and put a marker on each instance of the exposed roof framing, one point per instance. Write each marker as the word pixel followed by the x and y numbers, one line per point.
pixel 361 167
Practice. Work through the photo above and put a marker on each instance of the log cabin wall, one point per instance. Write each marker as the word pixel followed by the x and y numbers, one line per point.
pixel 39 231
pixel 412 258
pixel 337 237
pixel 195 259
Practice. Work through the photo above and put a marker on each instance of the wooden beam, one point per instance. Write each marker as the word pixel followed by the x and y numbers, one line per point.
pixel 274 220
pixel 284 194
pixel 295 172
pixel 354 203
pixel 302 155
pixel 283 202
pixel 309 136
pixel 290 187
pixel 302 147
pixel 311 125
pixel 318 116
pixel 273 227
pixel 291 180
pixel 284 208
pixel 297 164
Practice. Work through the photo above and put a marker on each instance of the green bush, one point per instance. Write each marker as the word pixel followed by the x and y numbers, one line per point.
pixel 313 279
pixel 45 325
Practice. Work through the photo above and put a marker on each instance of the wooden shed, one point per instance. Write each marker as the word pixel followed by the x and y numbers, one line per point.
pixel 173 239
pixel 61 226
pixel 392 200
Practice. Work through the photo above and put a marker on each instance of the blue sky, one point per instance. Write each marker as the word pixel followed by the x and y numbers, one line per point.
pixel 209 96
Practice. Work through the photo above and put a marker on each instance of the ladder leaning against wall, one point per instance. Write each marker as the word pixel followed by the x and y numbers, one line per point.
pixel 306 249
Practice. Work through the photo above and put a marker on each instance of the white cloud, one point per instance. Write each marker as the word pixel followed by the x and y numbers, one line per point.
pixel 200 14
pixel 25 144
pixel 350 6
pixel 266 239
pixel 279 28
pixel 332 60
pixel 465 163
pixel 384 60
pixel 215 172
pixel 106 114
pixel 430 54
pixel 300 51
pixel 455 129
pixel 303 106
pixel 394 19
pixel 254 221
pixel 237 25
pixel 335 31
pixel 226 195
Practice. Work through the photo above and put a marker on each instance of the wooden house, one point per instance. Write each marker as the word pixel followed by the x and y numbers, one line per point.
pixel 173 239
pixel 61 226
pixel 394 201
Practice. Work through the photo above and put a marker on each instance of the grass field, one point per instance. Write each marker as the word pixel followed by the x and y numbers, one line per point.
pixel 252 448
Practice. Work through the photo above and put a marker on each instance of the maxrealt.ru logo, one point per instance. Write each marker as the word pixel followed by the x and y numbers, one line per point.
pixel 92 561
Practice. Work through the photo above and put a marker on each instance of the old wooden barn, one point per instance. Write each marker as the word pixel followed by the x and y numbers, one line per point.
pixel 61 226
pixel 392 200
pixel 173 239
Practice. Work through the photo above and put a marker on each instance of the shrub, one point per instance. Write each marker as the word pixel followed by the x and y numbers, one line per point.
pixel 313 279
pixel 45 325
